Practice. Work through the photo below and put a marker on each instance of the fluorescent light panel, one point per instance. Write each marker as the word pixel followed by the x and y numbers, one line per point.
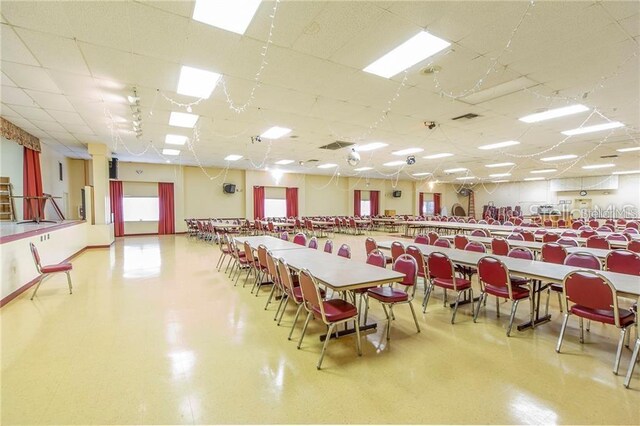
pixel 421 174
pixel 416 49
pixel 627 172
pixel 534 178
pixel 230 15
pixel 370 146
pixel 168 151
pixel 499 145
pixel 275 132
pixel 435 156
pixel 394 163
pixel 175 139
pixel 182 119
pixel 284 162
pixel 598 166
pixel 491 166
pixel 196 82
pixel 456 170
pixel 500 181
pixel 499 90
pixel 634 148
pixel 466 178
pixel 594 128
pixel 327 166
pixel 362 169
pixel 495 175
pixel 554 113
pixel 408 151
pixel 543 171
pixel 559 157
pixel 232 157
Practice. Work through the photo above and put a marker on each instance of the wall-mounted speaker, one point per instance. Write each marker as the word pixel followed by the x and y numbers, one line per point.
pixel 113 168
pixel 396 194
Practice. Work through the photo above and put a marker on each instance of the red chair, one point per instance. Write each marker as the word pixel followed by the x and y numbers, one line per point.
pixel 520 253
pixel 390 297
pixel 577 224
pixel 567 242
pixel 594 223
pixel 515 236
pixel 508 223
pixel 313 243
pixel 598 242
pixel 421 239
pixel 550 237
pixel 415 252
pixel 441 242
pixel 495 280
pixel 46 270
pixel 586 233
pixel 632 231
pixel 540 232
pixel 562 223
pixel 433 237
pixel 569 233
pixel 616 237
pixel 528 235
pixel 224 251
pixel 261 269
pixel 284 235
pixel 476 247
pixel 594 298
pixel 623 261
pixel 634 245
pixel 331 312
pixel 460 242
pixel 442 274
pixel 328 246
pixel 397 249
pixel 375 258
pixel 547 223
pixel 478 233
pixel 345 251
pixel 300 239
pixel 291 292
pixel 607 227
pixel 633 225
pixel 499 246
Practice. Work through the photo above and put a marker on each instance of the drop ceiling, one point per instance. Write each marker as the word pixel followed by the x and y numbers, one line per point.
pixel 68 67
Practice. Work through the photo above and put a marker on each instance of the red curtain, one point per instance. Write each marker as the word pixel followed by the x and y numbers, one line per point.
pixel 32 185
pixel 356 202
pixel 167 222
pixel 421 204
pixel 374 199
pixel 116 194
pixel 436 203
pixel 292 202
pixel 258 202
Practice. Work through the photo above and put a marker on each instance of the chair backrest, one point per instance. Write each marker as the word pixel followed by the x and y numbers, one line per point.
pixel 370 245
pixel 285 277
pixel 631 230
pixel 478 233
pixel 273 270
pixel 409 267
pixel 569 233
pixel 377 258
pixel 553 253
pixel 550 237
pixel 472 220
pixel 608 226
pixel 36 257
pixel 594 223
pixel 493 272
pixel 634 245
pixel 476 247
pixel 599 242
pixel 397 249
pixel 440 266
pixel 591 290
pixel 300 239
pixel 521 253
pixel 508 223
pixel 415 252
pixel 499 246
pixel 616 237
pixel 313 243
pixel 249 253
pixel 568 242
pixel 583 259
pixel 548 222
pixel 609 222
pixel 482 222
pixel 433 237
pixel 632 224
pixel 262 255
pixel 311 294
pixel 345 251
pixel 271 227
pixel 623 261
pixel 577 224
pixel 328 246
pixel 541 231
pixel 562 223
pixel 586 233
pixel 421 239
pixel 528 236
pixel 284 236
pixel 460 241
pixel 441 242
pixel 515 236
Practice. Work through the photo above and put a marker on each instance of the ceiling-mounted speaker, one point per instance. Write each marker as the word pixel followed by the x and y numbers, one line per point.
pixel 465 192
pixel 113 168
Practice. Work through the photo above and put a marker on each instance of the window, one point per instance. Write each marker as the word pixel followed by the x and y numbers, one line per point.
pixel 427 208
pixel 138 209
pixel 365 208
pixel 275 207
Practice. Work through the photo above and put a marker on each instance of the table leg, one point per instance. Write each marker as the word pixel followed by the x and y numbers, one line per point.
pixel 537 285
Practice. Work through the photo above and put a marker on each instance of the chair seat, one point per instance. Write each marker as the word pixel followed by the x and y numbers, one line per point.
pixel 602 315
pixel 461 283
pixel 556 287
pixel 515 280
pixel 389 260
pixel 60 267
pixel 518 292
pixel 297 292
pixel 242 254
pixel 337 309
pixel 388 295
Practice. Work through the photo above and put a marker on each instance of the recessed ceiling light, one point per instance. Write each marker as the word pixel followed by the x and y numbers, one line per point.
pixel 598 166
pixel 456 170
pixel 395 163
pixel 284 162
pixel 465 178
pixel 421 174
pixel 232 157
pixel 544 171
pixel 554 113
pixel 409 53
pixel 499 165
pixel 182 119
pixel 499 90
pixel 634 148
pixel 196 82
pixel 534 178
pixel 362 169
pixel 500 181
pixel 275 132
pixel 499 145
pixel 500 175
pixel 408 151
pixel 370 146
pixel 434 156
pixel 230 15
pixel 595 128
pixel 627 172
pixel 327 166
pixel 168 151
pixel 559 157
pixel 175 139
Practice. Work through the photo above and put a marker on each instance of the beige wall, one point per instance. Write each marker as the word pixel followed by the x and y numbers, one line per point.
pixel 326 196
pixel 204 196
pixel 11 161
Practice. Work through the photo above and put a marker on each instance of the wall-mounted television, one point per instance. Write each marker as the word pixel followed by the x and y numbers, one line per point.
pixel 228 188
pixel 397 194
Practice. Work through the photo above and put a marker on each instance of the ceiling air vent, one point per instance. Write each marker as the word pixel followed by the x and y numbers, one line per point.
pixel 337 145
pixel 609 156
pixel 467 116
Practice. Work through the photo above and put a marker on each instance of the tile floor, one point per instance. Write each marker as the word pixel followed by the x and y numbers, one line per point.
pixel 154 335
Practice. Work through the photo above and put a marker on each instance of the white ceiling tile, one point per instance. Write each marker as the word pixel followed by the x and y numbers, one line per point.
pixel 8 112
pixel 54 52
pixel 15 96
pixel 50 100
pixel 6 81
pixel 45 16
pixel 104 23
pixel 157 33
pixel 13 49
pixel 107 63
pixel 64 117
pixel 32 114
pixel 77 128
pixel 182 8
pixel 48 125
pixel 29 77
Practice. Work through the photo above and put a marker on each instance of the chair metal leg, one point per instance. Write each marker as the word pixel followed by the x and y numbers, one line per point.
pixel 37 286
pixel 632 363
pixel 581 330
pixel 455 308
pixel 304 329
pixel 483 296
pixel 324 347
pixel 415 319
pixel 427 295
pixel 358 345
pixel 69 282
pixel 616 364
pixel 366 309
pixel 514 307
pixel 498 307
pixel 546 308
pixel 560 301
pixel 562 330
pixel 273 290
pixel 282 306
pixel 295 320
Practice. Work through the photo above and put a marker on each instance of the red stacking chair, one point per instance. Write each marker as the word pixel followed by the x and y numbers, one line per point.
pixel 528 235
pixel 46 270
pixel 415 252
pixel 478 233
pixel 508 223
pixel 569 233
pixel 633 225
pixel 375 258
pixel 632 362
pixel 442 274
pixel 577 224
pixel 495 280
pixel 623 261
pixel 433 237
pixel 291 291
pixel 397 249
pixel 562 223
pixel 261 269
pixel 634 245
pixel 284 235
pixel 550 237
pixel 441 242
pixel 567 242
pixel 460 242
pixel 515 236
pixel 277 285
pixel 345 251
pixel 616 237
pixel 547 223
pixel 252 262
pixel 390 297
pixel 224 251
pixel 313 243
pixel 499 246
pixel 421 239
pixel 331 312
pixel 520 253
pixel 328 246
pixel 370 245
pixel 300 239
pixel 594 223
pixel 594 298
pixel 598 242
pixel 586 233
